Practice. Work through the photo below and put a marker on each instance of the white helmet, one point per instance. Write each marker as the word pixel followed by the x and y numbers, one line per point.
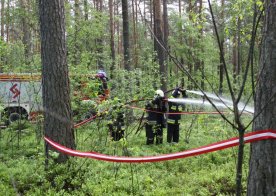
pixel 159 93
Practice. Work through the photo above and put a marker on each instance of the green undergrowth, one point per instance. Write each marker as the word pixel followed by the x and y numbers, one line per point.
pixel 23 171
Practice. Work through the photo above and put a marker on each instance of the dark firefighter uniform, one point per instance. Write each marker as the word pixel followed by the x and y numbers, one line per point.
pixel 173 122
pixel 155 121
pixel 117 124
pixel 173 119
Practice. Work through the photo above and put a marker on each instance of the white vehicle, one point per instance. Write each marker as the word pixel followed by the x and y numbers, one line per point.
pixel 21 96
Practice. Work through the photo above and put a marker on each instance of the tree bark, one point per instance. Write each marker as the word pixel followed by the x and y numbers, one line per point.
pixel 151 10
pixel 2 38
pixel 179 7
pixel 126 34
pixel 99 40
pixel 201 62
pixel 85 8
pixel 181 41
pixel 26 30
pixel 112 42
pixel 134 40
pixel 55 81
pixel 237 51
pixel 166 26
pixel 8 22
pixel 118 32
pixel 2 18
pixel 76 46
pixel 190 45
pixel 159 42
pixel 262 172
pixel 164 70
pixel 220 68
pixel 235 58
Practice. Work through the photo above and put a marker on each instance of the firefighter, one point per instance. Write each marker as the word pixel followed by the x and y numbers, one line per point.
pixel 155 120
pixel 103 88
pixel 117 123
pixel 173 119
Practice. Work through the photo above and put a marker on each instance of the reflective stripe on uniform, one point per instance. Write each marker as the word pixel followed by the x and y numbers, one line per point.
pixel 171 121
pixel 150 122
pixel 174 107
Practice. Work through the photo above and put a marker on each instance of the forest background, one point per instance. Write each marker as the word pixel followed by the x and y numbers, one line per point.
pixel 138 43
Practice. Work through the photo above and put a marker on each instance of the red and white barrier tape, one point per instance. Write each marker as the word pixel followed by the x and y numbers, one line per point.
pixel 250 137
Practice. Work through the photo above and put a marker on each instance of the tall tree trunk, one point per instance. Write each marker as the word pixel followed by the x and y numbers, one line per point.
pixel 166 26
pixel 2 18
pixel 239 47
pixel 179 7
pixel 112 43
pixel 201 62
pixel 262 168
pixel 98 5
pixel 145 19
pixel 220 68
pixel 95 4
pixel 26 30
pixel 182 82
pixel 8 22
pixel 159 42
pixel 151 10
pixel 126 34
pixel 237 51
pixel 134 20
pixel 118 33
pixel 58 123
pixel 76 50
pixel 164 70
pixel 99 40
pixel 235 58
pixel 190 45
pixel 85 7
pixel 2 38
